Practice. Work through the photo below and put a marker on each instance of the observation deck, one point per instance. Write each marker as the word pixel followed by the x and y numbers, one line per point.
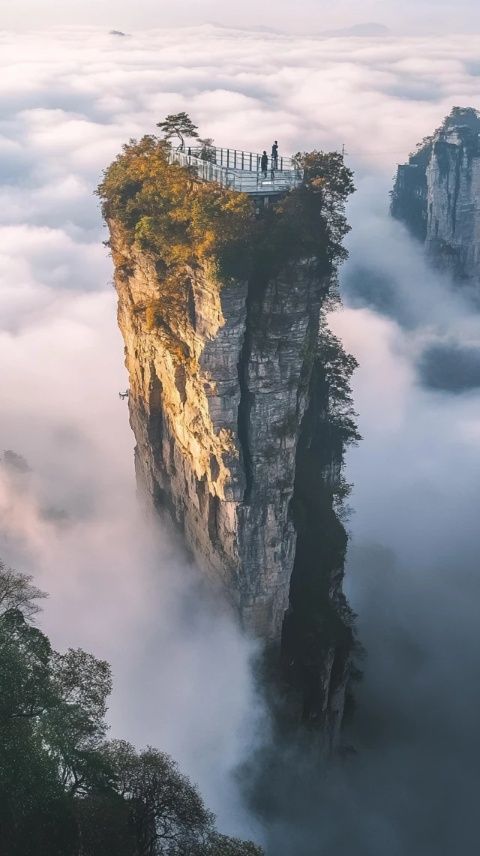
pixel 239 170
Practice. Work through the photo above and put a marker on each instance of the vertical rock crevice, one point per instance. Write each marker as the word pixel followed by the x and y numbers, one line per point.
pixel 245 402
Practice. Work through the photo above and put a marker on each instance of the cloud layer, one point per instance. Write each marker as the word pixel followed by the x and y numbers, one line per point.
pixel 313 16
pixel 68 100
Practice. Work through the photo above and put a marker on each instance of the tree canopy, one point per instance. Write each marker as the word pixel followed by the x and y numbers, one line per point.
pixel 178 125
pixel 65 790
pixel 183 221
pixel 170 214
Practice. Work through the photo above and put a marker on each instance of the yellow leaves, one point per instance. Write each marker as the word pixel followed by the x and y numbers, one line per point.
pixel 179 254
pixel 206 243
pixel 180 219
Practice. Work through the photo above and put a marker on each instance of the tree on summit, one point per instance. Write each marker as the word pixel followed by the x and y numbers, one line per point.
pixel 178 125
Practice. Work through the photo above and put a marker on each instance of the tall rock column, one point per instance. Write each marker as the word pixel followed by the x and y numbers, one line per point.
pixel 218 388
pixel 224 366
pixel 453 200
pixel 437 195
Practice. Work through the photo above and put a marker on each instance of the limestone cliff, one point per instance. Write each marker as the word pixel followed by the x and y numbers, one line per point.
pixel 240 427
pixel 437 195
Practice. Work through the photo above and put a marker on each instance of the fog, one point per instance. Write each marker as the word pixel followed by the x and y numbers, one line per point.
pixel 121 588
pixel 412 577
pixel 310 16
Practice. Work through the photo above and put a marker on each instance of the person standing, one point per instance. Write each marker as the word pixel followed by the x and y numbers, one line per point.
pixel 264 163
pixel 275 155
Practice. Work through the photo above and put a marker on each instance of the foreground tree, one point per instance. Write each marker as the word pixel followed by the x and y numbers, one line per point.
pixel 64 790
pixel 222 845
pixel 35 812
pixel 165 809
pixel 18 592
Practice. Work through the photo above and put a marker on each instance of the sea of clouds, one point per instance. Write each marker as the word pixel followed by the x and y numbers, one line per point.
pixel 69 98
pixel 314 17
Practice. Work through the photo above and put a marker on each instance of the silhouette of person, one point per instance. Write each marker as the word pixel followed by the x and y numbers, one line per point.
pixel 275 155
pixel 264 163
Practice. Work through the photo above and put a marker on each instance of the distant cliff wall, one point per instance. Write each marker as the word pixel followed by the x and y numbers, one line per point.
pixel 437 195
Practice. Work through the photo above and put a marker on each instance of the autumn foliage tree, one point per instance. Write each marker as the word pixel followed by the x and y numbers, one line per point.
pixel 171 214
pixel 183 221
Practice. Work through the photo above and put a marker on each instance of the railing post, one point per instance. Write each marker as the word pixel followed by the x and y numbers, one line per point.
pixel 228 158
pixel 242 159
pixel 281 164
pixel 235 159
pixel 251 162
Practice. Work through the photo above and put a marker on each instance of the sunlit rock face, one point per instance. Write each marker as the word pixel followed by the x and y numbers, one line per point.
pixel 437 195
pixel 230 407
pixel 218 388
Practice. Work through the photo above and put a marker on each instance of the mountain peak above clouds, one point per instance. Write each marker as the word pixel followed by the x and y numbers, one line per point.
pixel 369 29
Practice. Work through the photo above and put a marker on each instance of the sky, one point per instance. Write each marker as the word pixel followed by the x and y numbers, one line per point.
pixel 69 98
pixel 412 16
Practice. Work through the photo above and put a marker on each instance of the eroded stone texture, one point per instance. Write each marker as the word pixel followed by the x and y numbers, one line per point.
pixel 229 406
pixel 218 387
pixel 437 195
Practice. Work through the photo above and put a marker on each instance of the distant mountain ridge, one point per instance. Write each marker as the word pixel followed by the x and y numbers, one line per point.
pixel 371 28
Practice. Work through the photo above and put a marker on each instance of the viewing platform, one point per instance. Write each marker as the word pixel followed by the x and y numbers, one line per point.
pixel 239 170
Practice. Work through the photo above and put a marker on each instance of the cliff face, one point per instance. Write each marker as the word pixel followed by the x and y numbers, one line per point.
pixel 230 405
pixel 437 195
pixel 217 394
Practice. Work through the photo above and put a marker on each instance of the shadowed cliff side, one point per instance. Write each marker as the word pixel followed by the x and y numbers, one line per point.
pixel 239 397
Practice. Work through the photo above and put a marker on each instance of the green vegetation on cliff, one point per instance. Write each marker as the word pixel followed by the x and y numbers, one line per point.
pixel 183 221
pixel 177 218
pixel 320 622
pixel 291 246
pixel 64 789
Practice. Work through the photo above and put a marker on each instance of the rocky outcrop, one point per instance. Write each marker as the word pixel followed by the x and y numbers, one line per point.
pixel 437 195
pixel 231 405
pixel 218 389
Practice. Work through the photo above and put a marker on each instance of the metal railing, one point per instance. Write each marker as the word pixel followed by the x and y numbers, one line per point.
pixel 239 170
pixel 236 159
